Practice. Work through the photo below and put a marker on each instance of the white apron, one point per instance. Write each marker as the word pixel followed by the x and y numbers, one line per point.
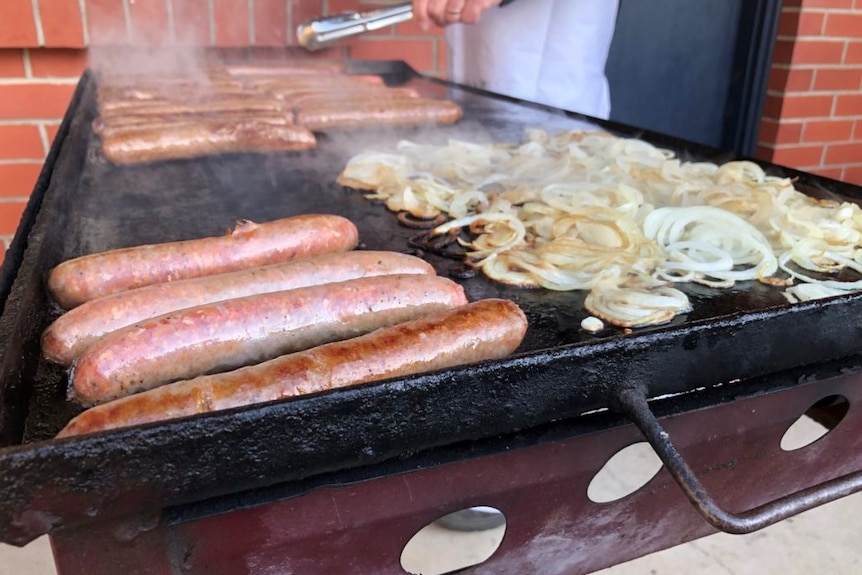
pixel 548 51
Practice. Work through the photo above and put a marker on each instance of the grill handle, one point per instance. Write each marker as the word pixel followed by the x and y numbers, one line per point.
pixel 633 402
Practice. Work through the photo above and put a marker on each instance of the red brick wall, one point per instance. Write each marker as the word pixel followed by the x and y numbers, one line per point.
pixel 813 114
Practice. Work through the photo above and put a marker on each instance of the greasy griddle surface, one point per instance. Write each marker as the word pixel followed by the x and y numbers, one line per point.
pixel 116 207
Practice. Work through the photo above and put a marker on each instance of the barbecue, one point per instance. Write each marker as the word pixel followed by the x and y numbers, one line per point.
pixel 346 477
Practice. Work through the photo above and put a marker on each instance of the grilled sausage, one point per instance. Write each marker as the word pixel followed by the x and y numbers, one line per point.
pixel 487 329
pixel 248 245
pixel 396 112
pixel 232 333
pixel 234 105
pixel 131 122
pixel 75 331
pixel 127 123
pixel 203 139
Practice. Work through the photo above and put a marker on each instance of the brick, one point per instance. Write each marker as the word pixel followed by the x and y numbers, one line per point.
pixel 48 101
pixel 106 22
pixel 270 23
pixel 148 23
pixel 774 132
pixel 21 142
pixel 10 215
pixel 857 130
pixel 834 173
pixel 800 24
pixel 62 23
pixel 191 22
pixel 58 63
pixel 764 153
pixel 772 106
pixel 443 58
pixel 17 26
pixel 854 53
pixel 802 106
pixel 843 25
pixel 844 153
pixel 817 52
pixel 231 22
pixel 790 80
pixel 838 79
pixel 798 156
pixel 11 63
pixel 828 131
pixel 18 180
pixel 853 175
pixel 782 52
pixel 417 53
pixel 848 105
pixel 826 4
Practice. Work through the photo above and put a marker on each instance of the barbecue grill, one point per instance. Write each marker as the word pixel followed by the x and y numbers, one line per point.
pixel 340 481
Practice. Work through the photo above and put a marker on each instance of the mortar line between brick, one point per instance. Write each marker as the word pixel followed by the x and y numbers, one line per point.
pixel 82 7
pixel 251 30
pixel 37 19
pixel 28 65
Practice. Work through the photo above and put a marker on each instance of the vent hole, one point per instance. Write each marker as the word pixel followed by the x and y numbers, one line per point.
pixel 817 421
pixel 454 542
pixel 627 471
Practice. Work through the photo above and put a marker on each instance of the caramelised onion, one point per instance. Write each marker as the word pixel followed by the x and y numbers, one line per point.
pixel 635 303
pixel 570 210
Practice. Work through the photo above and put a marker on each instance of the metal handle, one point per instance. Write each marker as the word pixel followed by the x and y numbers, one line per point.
pixel 323 31
pixel 633 402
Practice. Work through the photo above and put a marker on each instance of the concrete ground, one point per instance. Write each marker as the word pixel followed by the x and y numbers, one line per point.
pixel 823 540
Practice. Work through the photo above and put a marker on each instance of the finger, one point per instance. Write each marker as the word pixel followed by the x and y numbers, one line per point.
pixel 454 8
pixel 420 12
pixel 437 11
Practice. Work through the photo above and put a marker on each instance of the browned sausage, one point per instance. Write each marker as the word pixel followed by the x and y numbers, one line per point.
pixel 244 105
pixel 286 68
pixel 487 329
pixel 75 331
pixel 232 333
pixel 396 112
pixel 125 124
pixel 182 141
pixel 248 245
pixel 346 98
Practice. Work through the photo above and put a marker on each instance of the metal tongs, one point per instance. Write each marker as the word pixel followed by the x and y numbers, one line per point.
pixel 319 33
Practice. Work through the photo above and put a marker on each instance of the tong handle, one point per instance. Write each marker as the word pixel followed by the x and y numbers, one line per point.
pixel 319 33
pixel 633 402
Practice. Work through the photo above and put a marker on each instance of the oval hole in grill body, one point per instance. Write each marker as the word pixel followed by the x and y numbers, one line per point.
pixel 626 471
pixel 816 422
pixel 454 542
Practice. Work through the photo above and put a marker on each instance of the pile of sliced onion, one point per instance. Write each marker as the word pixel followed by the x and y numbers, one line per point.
pixel 568 211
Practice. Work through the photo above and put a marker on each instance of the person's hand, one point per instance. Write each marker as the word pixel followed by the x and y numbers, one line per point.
pixel 444 12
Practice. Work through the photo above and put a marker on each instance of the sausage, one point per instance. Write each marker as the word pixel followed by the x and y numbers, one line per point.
pixel 125 124
pixel 243 105
pixel 109 101
pixel 286 69
pixel 185 141
pixel 75 331
pixel 484 330
pixel 396 112
pixel 248 245
pixel 323 97
pixel 231 333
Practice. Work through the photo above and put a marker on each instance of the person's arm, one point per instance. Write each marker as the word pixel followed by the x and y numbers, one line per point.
pixel 445 12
